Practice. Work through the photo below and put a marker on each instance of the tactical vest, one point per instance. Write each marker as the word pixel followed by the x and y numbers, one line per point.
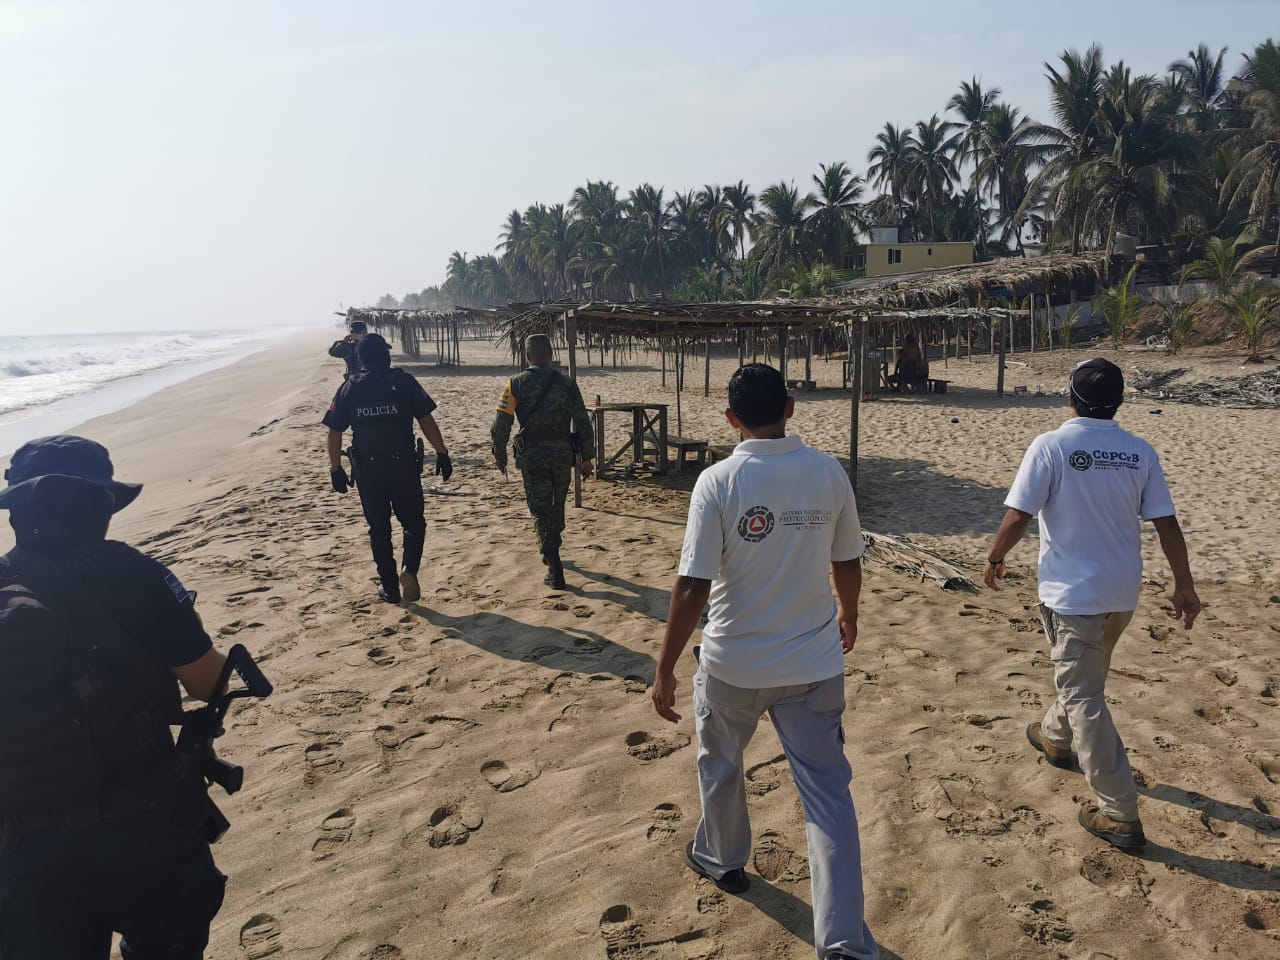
pixel 84 711
pixel 381 408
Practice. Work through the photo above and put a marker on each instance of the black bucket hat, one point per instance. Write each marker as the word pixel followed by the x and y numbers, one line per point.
pixel 66 458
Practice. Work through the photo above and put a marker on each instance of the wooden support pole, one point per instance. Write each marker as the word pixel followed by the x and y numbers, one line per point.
pixel 1000 323
pixel 706 370
pixel 662 351
pixel 742 348
pixel 858 348
pixel 571 337
pixel 808 354
pixel 782 349
pixel 679 365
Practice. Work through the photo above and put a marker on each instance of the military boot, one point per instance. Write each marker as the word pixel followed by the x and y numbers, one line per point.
pixel 555 571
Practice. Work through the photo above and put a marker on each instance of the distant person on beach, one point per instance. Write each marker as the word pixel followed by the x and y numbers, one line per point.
pixel 546 403
pixel 345 349
pixel 912 369
pixel 380 406
pixel 766 527
pixel 1092 484
pixel 102 818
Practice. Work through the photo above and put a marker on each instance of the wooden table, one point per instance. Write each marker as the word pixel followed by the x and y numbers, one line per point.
pixel 648 422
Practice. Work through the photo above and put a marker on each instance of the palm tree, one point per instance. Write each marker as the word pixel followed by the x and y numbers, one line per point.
pixel 1135 174
pixel 889 160
pixel 1119 305
pixel 1222 264
pixel 1073 141
pixel 741 204
pixel 715 214
pixel 1007 150
pixel 1203 83
pixel 1257 175
pixel 931 170
pixel 653 227
pixel 1255 306
pixel 836 212
pixel 779 226
pixel 973 105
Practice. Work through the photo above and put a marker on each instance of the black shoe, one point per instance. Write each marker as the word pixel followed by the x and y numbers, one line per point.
pixel 388 596
pixel 735 881
pixel 555 571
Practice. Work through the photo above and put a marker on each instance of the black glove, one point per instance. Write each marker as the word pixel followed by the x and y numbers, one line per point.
pixel 338 477
pixel 444 467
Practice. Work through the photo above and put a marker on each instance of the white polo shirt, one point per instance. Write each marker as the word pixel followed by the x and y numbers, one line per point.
pixel 764 526
pixel 1092 485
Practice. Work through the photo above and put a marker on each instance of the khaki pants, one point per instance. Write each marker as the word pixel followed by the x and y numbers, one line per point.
pixel 1081 648
pixel 806 718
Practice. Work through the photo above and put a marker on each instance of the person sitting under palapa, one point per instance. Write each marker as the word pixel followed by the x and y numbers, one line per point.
pixel 912 369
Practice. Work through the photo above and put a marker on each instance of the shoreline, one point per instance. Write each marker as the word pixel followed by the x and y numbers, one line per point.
pixel 115 396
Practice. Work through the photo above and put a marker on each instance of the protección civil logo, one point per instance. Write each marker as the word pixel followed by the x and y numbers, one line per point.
pixel 756 524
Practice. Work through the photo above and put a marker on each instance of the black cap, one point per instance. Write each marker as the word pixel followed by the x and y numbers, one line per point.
pixel 359 326
pixel 66 457
pixel 1097 385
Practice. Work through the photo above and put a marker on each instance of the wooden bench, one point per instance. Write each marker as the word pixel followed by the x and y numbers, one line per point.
pixel 718 451
pixel 805 385
pixel 684 447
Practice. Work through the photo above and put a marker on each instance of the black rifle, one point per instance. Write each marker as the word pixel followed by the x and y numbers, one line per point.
pixel 200 728
pixel 420 456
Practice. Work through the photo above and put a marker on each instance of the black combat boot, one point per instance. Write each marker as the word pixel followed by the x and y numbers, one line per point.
pixel 555 571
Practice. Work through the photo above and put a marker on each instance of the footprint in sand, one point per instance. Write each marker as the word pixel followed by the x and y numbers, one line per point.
pixel 449 825
pixel 665 818
pixel 381 656
pixel 774 860
pixel 260 937
pixel 1029 698
pixel 1269 766
pixel 1263 917
pixel 335 833
pixel 765 777
pixel 399 697
pixel 622 933
pixel 384 951
pixel 646 747
pixel 568 715
pixel 321 760
pixel 504 779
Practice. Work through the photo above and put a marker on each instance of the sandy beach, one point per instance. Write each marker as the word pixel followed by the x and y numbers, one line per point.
pixel 482 775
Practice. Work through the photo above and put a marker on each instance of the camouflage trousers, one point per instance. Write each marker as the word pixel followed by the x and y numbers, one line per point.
pixel 545 487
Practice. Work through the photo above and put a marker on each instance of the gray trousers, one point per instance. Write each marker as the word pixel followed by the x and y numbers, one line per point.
pixel 1081 648
pixel 807 719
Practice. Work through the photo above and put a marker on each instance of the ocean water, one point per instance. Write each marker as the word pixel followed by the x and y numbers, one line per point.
pixel 39 370
pixel 48 383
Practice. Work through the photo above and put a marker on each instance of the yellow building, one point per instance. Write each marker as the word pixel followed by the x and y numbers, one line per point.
pixel 885 259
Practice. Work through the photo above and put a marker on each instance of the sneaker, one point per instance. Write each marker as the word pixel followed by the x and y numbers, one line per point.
pixel 1057 756
pixel 735 881
pixel 409 588
pixel 387 596
pixel 1125 834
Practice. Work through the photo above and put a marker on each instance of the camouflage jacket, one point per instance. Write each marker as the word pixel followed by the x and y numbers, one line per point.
pixel 544 424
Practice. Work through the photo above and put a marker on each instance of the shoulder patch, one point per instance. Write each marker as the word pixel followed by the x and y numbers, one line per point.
pixel 180 593
pixel 508 402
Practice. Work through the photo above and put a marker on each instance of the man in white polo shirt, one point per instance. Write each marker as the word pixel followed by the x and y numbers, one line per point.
pixel 766 528
pixel 1092 485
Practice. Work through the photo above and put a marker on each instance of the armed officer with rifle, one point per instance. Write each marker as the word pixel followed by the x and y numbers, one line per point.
pixel 546 403
pixel 379 406
pixel 105 822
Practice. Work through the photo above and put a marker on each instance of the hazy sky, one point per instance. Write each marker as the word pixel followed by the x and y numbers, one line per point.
pixel 209 164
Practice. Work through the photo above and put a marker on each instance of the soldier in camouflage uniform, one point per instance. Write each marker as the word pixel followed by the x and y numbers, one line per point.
pixel 545 402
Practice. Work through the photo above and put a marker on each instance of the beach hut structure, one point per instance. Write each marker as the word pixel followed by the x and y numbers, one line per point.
pixel 995 297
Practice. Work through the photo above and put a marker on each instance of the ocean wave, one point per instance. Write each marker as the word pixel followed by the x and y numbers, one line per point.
pixel 38 370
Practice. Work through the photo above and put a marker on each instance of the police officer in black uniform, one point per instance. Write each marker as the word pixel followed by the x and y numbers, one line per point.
pixel 101 823
pixel 345 349
pixel 380 405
